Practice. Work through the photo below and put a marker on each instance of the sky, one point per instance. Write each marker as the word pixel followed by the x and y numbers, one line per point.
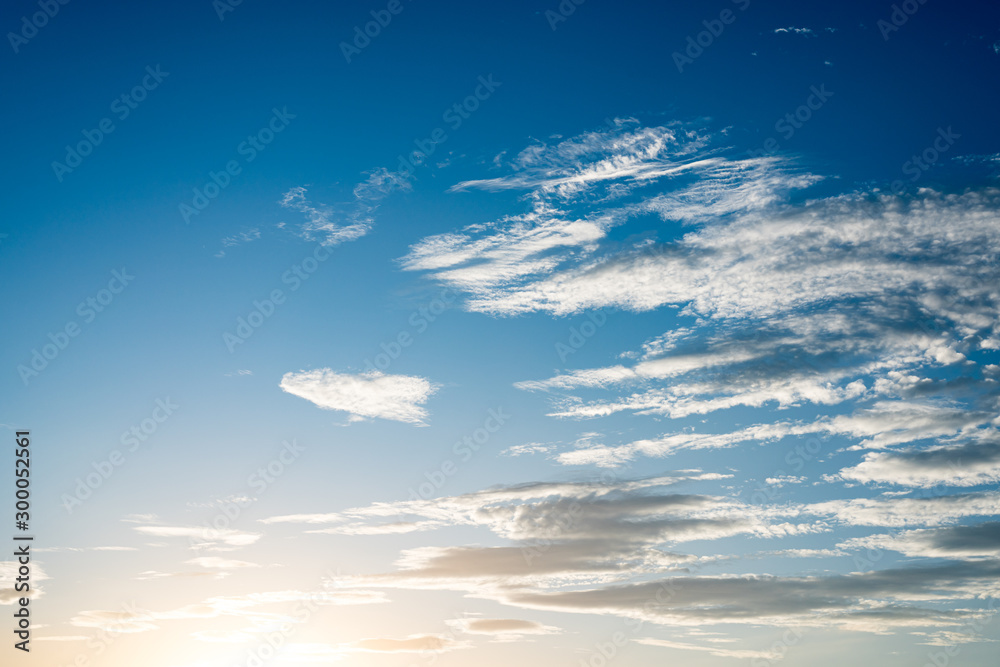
pixel 546 333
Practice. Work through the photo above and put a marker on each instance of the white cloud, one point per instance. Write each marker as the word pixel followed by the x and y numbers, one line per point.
pixel 204 536
pixel 364 395
pixel 782 480
pixel 885 424
pixel 248 607
pixel 850 601
pixel 864 316
pixel 742 654
pixel 970 463
pixel 904 511
pixel 575 165
pixel 863 290
pixel 501 627
pixel 979 541
pixel 330 226
pixel 216 563
pixel 585 531
pixel 245 236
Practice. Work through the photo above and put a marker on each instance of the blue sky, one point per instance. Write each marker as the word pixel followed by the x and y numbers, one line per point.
pixel 686 315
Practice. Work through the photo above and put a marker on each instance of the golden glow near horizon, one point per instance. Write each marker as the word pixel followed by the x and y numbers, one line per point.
pixel 561 334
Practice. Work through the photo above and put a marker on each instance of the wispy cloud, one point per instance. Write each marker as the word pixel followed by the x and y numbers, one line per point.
pixel 216 563
pixel 722 652
pixel 204 536
pixel 794 31
pixel 251 608
pixel 245 236
pixel 905 511
pixel 412 644
pixel 588 531
pixel 8 575
pixel 332 225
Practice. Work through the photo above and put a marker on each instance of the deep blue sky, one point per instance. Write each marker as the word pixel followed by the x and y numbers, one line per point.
pixel 558 95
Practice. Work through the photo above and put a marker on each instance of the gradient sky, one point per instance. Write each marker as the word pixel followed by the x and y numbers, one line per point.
pixel 675 341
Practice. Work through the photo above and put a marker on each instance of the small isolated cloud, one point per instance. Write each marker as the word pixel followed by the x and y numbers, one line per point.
pixel 782 480
pixel 741 654
pixel 365 395
pixel 128 620
pixel 411 644
pixel 216 563
pixel 245 236
pixel 794 31
pixel 321 221
pixel 502 627
pixel 204 536
pixel 529 448
pixel 331 226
